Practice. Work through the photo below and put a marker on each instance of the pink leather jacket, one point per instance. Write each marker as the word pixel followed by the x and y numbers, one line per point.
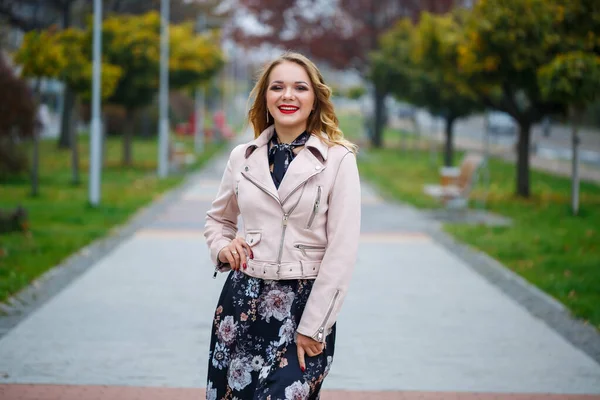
pixel 307 229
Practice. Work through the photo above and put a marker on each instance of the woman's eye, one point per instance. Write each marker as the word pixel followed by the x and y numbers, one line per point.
pixel 301 88
pixel 275 87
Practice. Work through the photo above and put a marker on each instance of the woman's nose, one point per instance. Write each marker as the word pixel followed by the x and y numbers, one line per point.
pixel 288 93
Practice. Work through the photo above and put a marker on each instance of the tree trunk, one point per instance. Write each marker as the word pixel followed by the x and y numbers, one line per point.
pixel 69 95
pixel 75 180
pixel 575 120
pixel 523 159
pixel 377 137
pixel 449 147
pixel 64 140
pixel 417 130
pixel 145 123
pixel 128 137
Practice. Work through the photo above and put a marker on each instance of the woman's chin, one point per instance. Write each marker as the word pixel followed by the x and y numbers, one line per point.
pixel 289 122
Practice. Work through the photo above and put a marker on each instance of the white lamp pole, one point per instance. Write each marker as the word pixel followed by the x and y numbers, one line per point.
pixel 199 99
pixel 163 140
pixel 96 139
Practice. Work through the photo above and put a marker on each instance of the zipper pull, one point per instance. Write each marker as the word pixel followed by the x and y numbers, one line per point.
pixel 320 334
pixel 285 219
pixel 215 274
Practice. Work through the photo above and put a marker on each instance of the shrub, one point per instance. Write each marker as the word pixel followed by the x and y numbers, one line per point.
pixel 17 118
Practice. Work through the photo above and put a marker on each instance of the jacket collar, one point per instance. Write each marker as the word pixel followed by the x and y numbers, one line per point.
pixel 313 143
pixel 305 165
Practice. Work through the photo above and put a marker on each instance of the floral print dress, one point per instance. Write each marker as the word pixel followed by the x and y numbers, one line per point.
pixel 253 349
pixel 253 342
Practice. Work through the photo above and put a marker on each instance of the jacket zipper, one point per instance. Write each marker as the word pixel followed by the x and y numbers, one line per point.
pixel 262 188
pixel 304 247
pixel 237 186
pixel 321 332
pixel 315 208
pixel 286 216
pixel 302 183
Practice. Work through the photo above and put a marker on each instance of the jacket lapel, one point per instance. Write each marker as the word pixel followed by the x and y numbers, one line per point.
pixel 256 168
pixel 304 166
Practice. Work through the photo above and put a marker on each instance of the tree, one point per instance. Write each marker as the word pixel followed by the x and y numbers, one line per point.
pixel 17 116
pixel 77 76
pixel 29 15
pixel 64 55
pixel 392 69
pixel 505 43
pixel 342 35
pixel 438 86
pixel 416 64
pixel 193 59
pixel 132 43
pixel 574 79
pixel 40 57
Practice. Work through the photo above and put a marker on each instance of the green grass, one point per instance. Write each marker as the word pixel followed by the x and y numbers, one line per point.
pixel 547 245
pixel 60 219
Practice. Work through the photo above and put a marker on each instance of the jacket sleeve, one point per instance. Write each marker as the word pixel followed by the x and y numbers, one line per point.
pixel 221 220
pixel 343 231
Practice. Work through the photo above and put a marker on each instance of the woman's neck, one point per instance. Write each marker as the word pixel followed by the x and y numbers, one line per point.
pixel 288 134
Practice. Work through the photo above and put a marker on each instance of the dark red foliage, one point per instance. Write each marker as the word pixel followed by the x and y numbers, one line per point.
pixel 17 116
pixel 343 37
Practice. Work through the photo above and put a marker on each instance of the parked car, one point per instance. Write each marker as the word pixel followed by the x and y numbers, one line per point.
pixel 502 124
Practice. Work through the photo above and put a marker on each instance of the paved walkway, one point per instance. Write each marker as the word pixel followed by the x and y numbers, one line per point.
pixel 418 323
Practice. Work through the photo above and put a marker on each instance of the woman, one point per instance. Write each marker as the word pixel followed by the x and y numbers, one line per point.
pixel 297 189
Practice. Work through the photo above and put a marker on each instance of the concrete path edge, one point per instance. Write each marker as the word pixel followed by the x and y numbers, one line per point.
pixel 583 336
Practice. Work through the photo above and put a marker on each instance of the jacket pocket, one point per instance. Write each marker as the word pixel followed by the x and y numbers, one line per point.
pixel 252 238
pixel 315 209
pixel 304 248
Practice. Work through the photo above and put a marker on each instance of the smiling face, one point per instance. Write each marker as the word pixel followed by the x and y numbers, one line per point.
pixel 290 97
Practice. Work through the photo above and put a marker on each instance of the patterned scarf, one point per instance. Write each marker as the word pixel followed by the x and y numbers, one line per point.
pixel 282 154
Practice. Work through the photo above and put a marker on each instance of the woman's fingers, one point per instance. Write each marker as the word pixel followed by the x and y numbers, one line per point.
pixel 300 352
pixel 317 349
pixel 241 254
pixel 248 250
pixel 229 257
pixel 233 258
pixel 239 251
pixel 313 350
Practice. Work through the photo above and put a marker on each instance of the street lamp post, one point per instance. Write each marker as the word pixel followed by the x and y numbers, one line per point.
pixel 163 140
pixel 96 135
pixel 199 100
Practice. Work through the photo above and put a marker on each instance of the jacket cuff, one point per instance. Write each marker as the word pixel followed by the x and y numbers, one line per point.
pixel 216 249
pixel 302 331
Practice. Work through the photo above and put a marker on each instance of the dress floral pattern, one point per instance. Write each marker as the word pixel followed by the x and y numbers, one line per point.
pixel 253 342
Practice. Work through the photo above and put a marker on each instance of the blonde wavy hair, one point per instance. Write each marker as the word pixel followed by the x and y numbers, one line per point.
pixel 322 119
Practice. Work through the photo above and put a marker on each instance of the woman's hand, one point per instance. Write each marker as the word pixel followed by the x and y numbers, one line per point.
pixel 236 253
pixel 309 346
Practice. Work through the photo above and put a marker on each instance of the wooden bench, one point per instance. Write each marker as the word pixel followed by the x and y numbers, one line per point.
pixel 454 191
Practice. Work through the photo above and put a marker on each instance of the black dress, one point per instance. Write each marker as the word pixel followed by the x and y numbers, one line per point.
pixel 253 347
